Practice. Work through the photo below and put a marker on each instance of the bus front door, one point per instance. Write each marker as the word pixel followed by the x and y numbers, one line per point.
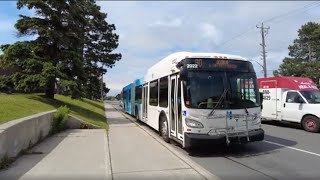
pixel 145 103
pixel 175 108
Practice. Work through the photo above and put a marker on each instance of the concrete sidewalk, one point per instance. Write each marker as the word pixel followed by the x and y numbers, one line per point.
pixel 127 152
pixel 137 155
pixel 72 154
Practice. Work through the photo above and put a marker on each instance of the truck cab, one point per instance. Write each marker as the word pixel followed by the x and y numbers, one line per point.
pixel 291 99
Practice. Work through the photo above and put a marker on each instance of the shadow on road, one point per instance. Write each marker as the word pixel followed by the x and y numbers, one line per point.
pixel 283 124
pixel 32 157
pixel 242 150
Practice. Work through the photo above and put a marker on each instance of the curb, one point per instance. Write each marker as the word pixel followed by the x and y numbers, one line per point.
pixel 205 173
pixel 107 149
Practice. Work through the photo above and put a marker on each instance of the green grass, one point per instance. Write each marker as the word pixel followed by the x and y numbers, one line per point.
pixel 22 105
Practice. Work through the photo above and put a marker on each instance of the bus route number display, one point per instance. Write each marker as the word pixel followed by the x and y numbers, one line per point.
pixel 192 66
pixel 211 64
pixel 218 64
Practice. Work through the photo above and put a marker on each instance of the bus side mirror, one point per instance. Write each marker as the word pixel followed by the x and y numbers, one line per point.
pixel 261 99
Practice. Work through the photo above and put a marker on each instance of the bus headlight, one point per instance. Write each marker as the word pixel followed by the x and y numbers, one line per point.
pixel 193 123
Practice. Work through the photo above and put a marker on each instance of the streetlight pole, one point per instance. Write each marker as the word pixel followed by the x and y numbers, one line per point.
pixel 259 65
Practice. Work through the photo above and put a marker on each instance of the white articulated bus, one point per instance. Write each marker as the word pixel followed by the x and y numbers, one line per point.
pixel 201 98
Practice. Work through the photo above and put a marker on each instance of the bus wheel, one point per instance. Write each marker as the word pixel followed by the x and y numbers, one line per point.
pixel 164 129
pixel 311 124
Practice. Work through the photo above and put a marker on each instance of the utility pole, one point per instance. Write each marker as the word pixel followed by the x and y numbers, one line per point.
pixel 264 32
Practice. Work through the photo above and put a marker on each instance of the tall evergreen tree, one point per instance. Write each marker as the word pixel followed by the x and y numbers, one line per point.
pixel 304 54
pixel 74 45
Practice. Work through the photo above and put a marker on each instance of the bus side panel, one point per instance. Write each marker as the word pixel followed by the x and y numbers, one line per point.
pixel 132 110
pixel 128 104
pixel 153 117
pixel 127 98
pixel 138 102
pixel 153 111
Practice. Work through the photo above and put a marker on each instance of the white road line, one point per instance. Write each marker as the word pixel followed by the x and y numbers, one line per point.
pixel 308 152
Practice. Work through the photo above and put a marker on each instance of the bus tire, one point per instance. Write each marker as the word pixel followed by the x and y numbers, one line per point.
pixel 311 123
pixel 164 130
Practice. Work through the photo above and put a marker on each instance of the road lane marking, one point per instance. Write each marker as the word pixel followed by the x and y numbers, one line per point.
pixel 301 150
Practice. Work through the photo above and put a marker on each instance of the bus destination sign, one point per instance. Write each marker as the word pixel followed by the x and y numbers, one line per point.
pixel 218 64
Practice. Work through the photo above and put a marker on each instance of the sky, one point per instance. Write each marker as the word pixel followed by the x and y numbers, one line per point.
pixel 151 30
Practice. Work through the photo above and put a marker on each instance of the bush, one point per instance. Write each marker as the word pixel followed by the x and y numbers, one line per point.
pixel 60 119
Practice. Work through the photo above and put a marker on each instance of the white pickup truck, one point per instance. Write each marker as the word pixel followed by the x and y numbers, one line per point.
pixel 292 99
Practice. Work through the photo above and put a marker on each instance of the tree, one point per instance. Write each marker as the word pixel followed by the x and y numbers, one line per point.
pixel 24 65
pixel 73 47
pixel 304 60
pixel 98 46
pixel 307 47
pixel 56 42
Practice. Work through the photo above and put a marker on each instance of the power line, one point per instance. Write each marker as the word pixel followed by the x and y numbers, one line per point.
pixel 306 8
pixel 293 11
pixel 296 13
pixel 235 37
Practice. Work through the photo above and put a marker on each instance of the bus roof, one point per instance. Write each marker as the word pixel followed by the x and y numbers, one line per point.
pixel 167 65
pixel 127 87
pixel 138 82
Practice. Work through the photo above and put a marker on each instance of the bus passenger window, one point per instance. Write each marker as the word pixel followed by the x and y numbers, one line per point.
pixel 153 101
pixel 163 99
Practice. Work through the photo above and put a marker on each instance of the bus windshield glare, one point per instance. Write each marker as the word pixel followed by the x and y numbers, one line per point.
pixel 204 88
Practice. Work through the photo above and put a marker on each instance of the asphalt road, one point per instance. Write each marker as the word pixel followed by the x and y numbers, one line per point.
pixel 287 152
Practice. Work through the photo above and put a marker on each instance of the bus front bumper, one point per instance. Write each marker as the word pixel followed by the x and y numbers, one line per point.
pixel 192 139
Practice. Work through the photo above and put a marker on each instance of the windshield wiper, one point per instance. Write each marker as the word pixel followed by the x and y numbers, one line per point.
pixel 245 107
pixel 219 102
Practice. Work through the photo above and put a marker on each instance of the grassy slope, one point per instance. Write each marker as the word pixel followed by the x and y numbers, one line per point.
pixel 17 106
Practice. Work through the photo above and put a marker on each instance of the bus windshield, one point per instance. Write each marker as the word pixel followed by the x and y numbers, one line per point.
pixel 203 89
pixel 313 97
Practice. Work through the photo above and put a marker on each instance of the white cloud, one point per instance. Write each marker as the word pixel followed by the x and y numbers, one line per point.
pixel 151 30
pixel 168 23
pixel 211 32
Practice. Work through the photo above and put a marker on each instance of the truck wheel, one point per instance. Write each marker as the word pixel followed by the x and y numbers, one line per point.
pixel 311 124
pixel 164 130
